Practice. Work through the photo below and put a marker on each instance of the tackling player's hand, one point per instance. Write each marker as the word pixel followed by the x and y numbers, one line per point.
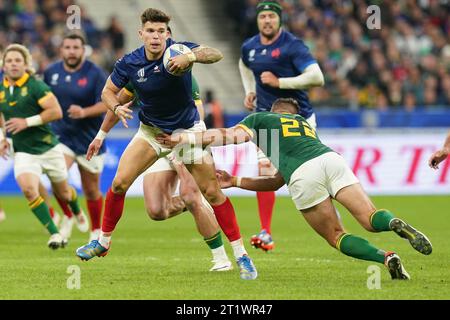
pixel 437 158
pixel 172 140
pixel 249 101
pixel 16 125
pixel 76 112
pixel 269 79
pixel 224 178
pixel 178 63
pixel 124 112
pixel 4 148
pixel 94 148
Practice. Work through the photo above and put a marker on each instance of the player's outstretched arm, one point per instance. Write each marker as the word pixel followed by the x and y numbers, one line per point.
pixel 312 76
pixel 51 111
pixel 261 183
pixel 440 155
pixel 211 137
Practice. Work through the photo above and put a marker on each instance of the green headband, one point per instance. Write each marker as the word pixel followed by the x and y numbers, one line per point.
pixel 269 6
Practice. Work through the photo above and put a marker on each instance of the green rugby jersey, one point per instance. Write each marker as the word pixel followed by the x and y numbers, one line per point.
pixel 286 139
pixel 129 90
pixel 22 100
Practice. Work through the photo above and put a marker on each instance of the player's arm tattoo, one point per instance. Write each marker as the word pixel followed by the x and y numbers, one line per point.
pixel 207 55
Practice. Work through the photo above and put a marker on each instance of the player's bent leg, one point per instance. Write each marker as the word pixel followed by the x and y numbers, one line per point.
pixel 158 195
pixel 322 218
pixel 137 157
pixel 361 207
pixel 204 217
pixel 44 194
pixel 205 176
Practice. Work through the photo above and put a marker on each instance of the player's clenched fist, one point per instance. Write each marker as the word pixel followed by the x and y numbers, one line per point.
pixel 438 157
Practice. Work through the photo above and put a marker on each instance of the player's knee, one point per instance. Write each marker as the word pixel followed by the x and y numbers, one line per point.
pixel 157 212
pixel 213 194
pixel 120 185
pixel 92 193
pixel 30 193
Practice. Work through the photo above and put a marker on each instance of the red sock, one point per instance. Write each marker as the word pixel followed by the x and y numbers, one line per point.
pixel 266 201
pixel 95 212
pixel 65 208
pixel 52 212
pixel 113 210
pixel 226 217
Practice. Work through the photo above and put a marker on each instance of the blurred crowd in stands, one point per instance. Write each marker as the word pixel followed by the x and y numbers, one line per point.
pixel 404 64
pixel 40 25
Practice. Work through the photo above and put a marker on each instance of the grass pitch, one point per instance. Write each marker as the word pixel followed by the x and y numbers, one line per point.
pixel 169 260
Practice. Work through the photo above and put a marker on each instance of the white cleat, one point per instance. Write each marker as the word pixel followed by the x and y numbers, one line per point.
pixel 66 227
pixel 221 265
pixel 82 222
pixel 395 267
pixel 95 234
pixel 56 241
pixel 2 216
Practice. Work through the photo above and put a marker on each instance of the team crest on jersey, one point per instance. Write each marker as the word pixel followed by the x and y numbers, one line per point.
pixel 82 82
pixel 54 80
pixel 251 55
pixel 141 75
pixel 276 53
pixel 24 92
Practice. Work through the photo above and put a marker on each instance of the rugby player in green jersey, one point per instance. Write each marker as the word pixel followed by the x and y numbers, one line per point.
pixel 315 175
pixel 26 107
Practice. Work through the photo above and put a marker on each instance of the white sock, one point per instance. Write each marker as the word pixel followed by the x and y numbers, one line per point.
pixel 104 240
pixel 238 248
pixel 219 254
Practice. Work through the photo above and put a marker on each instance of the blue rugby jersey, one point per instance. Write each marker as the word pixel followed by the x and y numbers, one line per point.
pixel 286 57
pixel 84 88
pixel 165 100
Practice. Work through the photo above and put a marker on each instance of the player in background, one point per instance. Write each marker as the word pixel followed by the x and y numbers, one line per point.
pixel 42 190
pixel 275 64
pixel 440 155
pixel 315 175
pixel 78 83
pixel 166 105
pixel 27 105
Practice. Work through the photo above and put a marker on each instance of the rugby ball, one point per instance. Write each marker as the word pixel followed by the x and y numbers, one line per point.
pixel 175 50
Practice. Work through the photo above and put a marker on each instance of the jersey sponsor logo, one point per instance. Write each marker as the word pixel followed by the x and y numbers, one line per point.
pixel 54 80
pixel 13 103
pixel 82 82
pixel 156 69
pixel 251 55
pixel 264 52
pixel 141 75
pixel 68 78
pixel 24 92
pixel 276 53
pixel 2 95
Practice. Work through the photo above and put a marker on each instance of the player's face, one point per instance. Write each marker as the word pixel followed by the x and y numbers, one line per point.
pixel 154 36
pixel 14 65
pixel 72 52
pixel 268 24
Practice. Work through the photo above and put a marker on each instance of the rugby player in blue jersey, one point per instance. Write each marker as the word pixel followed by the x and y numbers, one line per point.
pixel 166 105
pixel 275 64
pixel 78 83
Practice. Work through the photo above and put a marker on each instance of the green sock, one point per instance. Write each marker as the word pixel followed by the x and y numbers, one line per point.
pixel 215 241
pixel 380 220
pixel 73 204
pixel 41 211
pixel 359 248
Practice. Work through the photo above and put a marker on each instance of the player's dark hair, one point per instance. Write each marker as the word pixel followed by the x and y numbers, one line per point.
pixel 286 103
pixel 154 15
pixel 75 36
